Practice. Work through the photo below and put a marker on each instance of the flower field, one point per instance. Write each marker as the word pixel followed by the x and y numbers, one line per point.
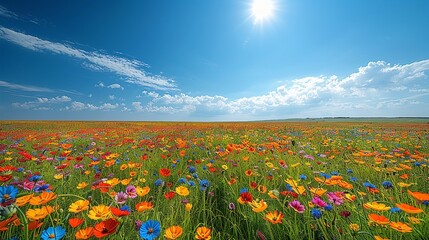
pixel 261 180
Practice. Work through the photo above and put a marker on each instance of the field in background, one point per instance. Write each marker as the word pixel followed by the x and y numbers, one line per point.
pixel 313 179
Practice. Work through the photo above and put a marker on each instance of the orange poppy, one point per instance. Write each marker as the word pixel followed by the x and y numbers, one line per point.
pixel 379 219
pixel 4 223
pixel 416 195
pixel 74 222
pixel 105 228
pixel 173 232
pixel 118 212
pixel 142 206
pixel 203 233
pixel 248 172
pixel 34 225
pixel 408 208
pixel 43 198
pixel 401 227
pixel 85 233
pixel 274 217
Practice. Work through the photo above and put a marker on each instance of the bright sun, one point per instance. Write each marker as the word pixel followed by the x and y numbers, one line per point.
pixel 262 10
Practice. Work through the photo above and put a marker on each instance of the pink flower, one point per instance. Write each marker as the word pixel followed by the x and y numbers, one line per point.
pixel 121 197
pixel 335 198
pixel 131 191
pixel 297 206
pixel 319 202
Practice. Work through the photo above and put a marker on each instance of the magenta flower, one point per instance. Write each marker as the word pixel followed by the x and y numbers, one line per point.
pixel 121 197
pixel 131 191
pixel 335 198
pixel 297 206
pixel 319 202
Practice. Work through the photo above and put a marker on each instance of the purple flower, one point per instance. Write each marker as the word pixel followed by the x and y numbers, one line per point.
pixel 121 197
pixel 131 191
pixel 231 206
pixel 297 206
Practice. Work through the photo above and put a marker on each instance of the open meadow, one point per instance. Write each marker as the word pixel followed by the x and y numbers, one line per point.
pixel 260 180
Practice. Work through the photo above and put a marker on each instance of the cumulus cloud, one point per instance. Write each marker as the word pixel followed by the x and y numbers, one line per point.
pixel 115 86
pixel 132 70
pixel 373 87
pixel 78 106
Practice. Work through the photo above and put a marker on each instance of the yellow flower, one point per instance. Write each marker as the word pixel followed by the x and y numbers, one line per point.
pixel 258 206
pixel 79 206
pixel 58 176
pixel 225 167
pixel 414 220
pixel 99 212
pixel 142 191
pixel 82 185
pixel 182 191
pixel 173 232
pixel 188 207
pixel 126 181
pixel 404 185
pixel 376 206
pixel 354 227
pixel 113 181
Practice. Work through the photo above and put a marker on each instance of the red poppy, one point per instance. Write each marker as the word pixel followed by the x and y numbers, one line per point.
pixel 246 197
pixel 5 178
pixel 165 172
pixel 118 212
pixel 253 184
pixel 34 225
pixel 105 228
pixel 169 195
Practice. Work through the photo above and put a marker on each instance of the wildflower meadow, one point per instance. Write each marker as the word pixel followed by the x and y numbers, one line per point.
pixel 249 180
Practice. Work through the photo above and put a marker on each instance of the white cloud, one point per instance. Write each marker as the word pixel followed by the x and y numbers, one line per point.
pixel 100 84
pixel 377 85
pixel 41 103
pixel 115 86
pixel 131 70
pixel 6 13
pixel 111 97
pixel 78 106
pixel 26 88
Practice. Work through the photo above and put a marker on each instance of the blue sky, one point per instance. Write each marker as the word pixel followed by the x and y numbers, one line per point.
pixel 212 61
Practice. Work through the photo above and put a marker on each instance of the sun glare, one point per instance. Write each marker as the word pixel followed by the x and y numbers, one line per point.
pixel 262 10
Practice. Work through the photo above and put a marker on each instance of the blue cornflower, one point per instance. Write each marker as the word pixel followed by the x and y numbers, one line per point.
pixel 158 182
pixel 328 208
pixel 243 190
pixel 125 208
pixel 191 183
pixel 395 210
pixel 182 180
pixel 387 184
pixel 53 233
pixel 302 177
pixel 349 171
pixel 369 185
pixel 335 173
pixel 204 184
pixel 417 164
pixel 7 193
pixel 150 229
pixel 288 187
pixel 204 168
pixel 426 203
pixel 316 213
pixel 195 175
pixel 35 178
pixel 325 175
pixel 192 169
pixel 353 179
